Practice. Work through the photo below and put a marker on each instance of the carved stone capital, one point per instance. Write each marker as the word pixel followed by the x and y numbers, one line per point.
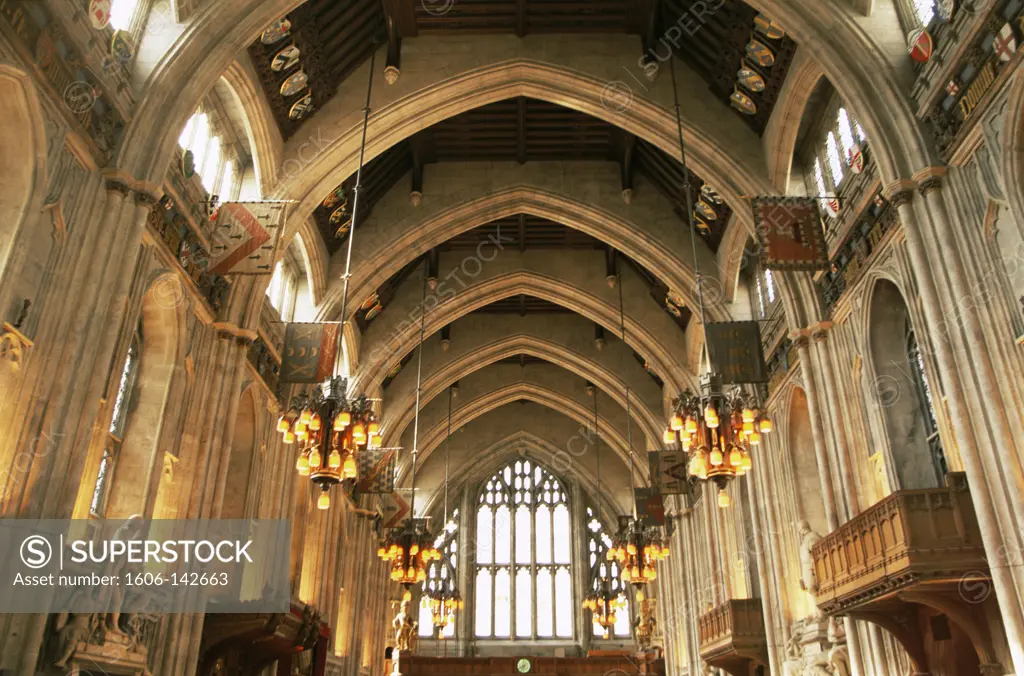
pixel 900 192
pixel 819 331
pixel 118 186
pixel 801 338
pixel 13 343
pixel 146 199
pixel 391 74
pixel 930 179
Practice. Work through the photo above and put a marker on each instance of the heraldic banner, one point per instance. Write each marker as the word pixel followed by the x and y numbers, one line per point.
pixel 650 508
pixel 309 352
pixel 668 471
pixel 790 233
pixel 736 352
pixel 245 238
pixel 376 468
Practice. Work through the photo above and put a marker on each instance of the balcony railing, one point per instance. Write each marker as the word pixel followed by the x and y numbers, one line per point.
pixel 854 255
pixel 911 537
pixel 266 364
pixel 733 631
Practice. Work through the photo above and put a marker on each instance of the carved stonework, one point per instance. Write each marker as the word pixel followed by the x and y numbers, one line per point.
pixel 12 345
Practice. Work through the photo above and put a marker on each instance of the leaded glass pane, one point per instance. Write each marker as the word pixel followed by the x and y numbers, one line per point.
pixel 524 603
pixel 502 535
pixel 484 539
pixel 483 602
pixel 543 534
pixel 523 538
pixel 563 603
pixel 545 610
pixel 502 603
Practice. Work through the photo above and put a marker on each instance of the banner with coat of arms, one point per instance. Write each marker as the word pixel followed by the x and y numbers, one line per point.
pixel 376 470
pixel 245 238
pixel 309 352
pixel 790 233
pixel 650 507
pixel 668 471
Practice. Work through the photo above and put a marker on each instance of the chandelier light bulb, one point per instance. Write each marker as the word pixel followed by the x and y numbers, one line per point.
pixel 748 464
pixel 334 459
pixel 314 458
pixel 691 425
pixel 358 433
pixel 283 424
pixel 748 415
pixel 766 426
pixel 748 427
pixel 723 499
pixel 669 437
pixel 755 439
pixel 716 458
pixel 735 457
pixel 373 428
pixel 305 416
pixel 315 422
pixel 324 502
pixel 302 465
pixel 350 470
pixel 676 423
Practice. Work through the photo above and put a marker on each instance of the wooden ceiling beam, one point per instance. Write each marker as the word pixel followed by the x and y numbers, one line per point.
pixel 521 130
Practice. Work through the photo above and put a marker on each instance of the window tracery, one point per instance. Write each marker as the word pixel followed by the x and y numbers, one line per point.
pixel 598 543
pixel 441 575
pixel 523 556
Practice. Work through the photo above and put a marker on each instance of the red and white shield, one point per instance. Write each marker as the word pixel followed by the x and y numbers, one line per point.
pixel 856 159
pixel 1005 43
pixel 919 44
pixel 831 206
pixel 99 13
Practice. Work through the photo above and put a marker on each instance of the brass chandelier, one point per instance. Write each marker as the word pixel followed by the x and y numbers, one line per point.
pixel 603 601
pixel 330 427
pixel 717 452
pixel 444 597
pixel 411 549
pixel 330 430
pixel 637 547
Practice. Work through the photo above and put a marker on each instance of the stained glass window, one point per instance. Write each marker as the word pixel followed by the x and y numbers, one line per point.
pixel 115 433
pixel 211 165
pixel 925 10
pixel 835 163
pixel 845 134
pixel 227 182
pixel 598 543
pixel 523 556
pixel 769 285
pixel 121 13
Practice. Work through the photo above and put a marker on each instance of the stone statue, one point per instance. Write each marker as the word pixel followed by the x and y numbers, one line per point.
pixel 818 665
pixel 644 625
pixel 808 580
pixel 72 629
pixel 405 627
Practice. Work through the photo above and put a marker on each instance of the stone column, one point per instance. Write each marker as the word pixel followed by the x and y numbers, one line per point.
pixel 767 604
pixel 983 472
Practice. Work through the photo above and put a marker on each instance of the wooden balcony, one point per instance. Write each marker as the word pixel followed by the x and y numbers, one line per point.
pixel 732 637
pixel 914 565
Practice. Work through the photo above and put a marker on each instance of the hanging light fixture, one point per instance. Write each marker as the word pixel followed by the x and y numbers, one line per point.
pixel 411 549
pixel 444 598
pixel 637 547
pixel 330 430
pixel 717 452
pixel 603 601
pixel 329 427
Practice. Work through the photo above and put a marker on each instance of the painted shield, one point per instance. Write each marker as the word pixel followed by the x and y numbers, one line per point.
pixel 99 13
pixel 743 103
pixel 710 194
pixel 295 83
pixel 702 226
pixel 276 32
pixel 856 159
pixel 373 312
pixel 338 215
pixel 285 59
pixel 370 301
pixel 119 47
pixel 706 210
pixel 673 310
pixel 342 230
pixel 952 88
pixel 188 164
pixel 919 44
pixel 750 79
pixel 336 197
pixel 301 108
pixel 768 28
pixel 1004 44
pixel 831 206
pixel 760 53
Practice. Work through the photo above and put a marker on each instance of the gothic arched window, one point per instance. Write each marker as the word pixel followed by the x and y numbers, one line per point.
pixel 845 134
pixel 598 543
pixel 523 556
pixel 115 433
pixel 925 401
pixel 925 11
pixel 835 163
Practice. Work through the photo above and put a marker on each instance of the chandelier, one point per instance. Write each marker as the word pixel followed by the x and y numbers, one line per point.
pixel 638 548
pixel 717 451
pixel 330 430
pixel 411 549
pixel 444 597
pixel 604 604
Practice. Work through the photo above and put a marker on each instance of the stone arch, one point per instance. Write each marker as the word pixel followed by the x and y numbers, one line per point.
pixel 139 465
pixel 896 387
pixel 396 242
pixel 390 348
pixel 242 458
pixel 22 182
pixel 433 437
pixel 264 138
pixel 556 353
